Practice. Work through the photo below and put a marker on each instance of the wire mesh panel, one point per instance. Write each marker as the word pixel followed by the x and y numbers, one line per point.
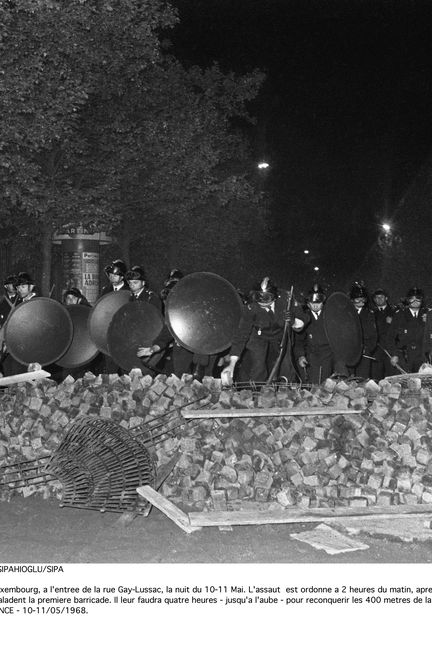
pixel 25 473
pixel 412 382
pixel 100 466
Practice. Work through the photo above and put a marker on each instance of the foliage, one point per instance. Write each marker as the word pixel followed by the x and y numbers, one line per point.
pixel 100 127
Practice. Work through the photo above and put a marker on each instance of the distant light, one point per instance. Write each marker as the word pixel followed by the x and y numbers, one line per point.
pixel 263 165
pixel 386 227
pixel 306 251
pixel 316 268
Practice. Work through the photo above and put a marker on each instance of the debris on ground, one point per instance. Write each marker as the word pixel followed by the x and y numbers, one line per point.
pixel 328 539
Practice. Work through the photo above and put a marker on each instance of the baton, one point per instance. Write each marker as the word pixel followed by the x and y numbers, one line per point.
pixel 398 367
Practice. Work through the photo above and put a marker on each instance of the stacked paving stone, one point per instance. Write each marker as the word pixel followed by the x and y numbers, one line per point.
pixel 382 456
pixel 34 417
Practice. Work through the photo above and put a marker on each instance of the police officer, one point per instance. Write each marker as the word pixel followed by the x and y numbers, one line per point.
pixel 384 313
pixel 74 296
pixel 9 300
pixel 359 297
pixel 137 284
pixel 170 282
pixel 312 349
pixel 406 332
pixel 136 281
pixel 115 272
pixel 25 288
pixel 259 335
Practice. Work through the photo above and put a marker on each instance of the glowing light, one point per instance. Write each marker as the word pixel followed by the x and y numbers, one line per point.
pixel 306 251
pixel 263 165
pixel 386 227
pixel 316 268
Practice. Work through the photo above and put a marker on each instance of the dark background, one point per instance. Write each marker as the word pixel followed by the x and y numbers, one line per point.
pixel 344 119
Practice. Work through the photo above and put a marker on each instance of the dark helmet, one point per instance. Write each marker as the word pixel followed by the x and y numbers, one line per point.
pixel 24 279
pixel 414 293
pixel 136 272
pixel 266 292
pixel 380 291
pixel 175 274
pixel 358 291
pixel 167 287
pixel 75 292
pixel 117 267
pixel 10 279
pixel 316 294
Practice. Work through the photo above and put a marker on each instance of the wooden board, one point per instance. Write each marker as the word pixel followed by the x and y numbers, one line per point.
pixel 273 411
pixel 24 377
pixel 163 473
pixel 299 516
pixel 167 507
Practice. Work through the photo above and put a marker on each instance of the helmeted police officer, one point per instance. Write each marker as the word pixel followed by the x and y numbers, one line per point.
pixel 115 272
pixel 259 334
pixel 384 313
pixel 312 349
pixel 9 298
pixel 406 332
pixel 359 297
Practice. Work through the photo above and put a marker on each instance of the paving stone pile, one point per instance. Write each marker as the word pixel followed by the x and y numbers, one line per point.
pixel 381 456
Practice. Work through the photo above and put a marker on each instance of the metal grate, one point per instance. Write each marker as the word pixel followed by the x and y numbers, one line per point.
pixel 259 387
pixel 100 466
pixel 408 381
pixel 99 463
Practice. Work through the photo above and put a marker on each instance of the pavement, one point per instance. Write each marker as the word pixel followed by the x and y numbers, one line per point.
pixel 33 530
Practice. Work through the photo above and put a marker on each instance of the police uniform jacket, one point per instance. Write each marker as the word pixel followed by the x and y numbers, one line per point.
pixel 6 305
pixel 406 331
pixel 312 339
pixel 259 324
pixel 369 330
pixel 383 319
pixel 164 338
pixel 427 337
pixel 149 296
pixel 109 288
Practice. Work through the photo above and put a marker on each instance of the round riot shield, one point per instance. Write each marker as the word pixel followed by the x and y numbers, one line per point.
pixel 135 324
pixel 102 314
pixel 82 348
pixel 202 312
pixel 39 330
pixel 343 329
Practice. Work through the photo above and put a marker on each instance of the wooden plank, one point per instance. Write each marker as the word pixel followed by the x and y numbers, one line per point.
pixel 167 507
pixel 273 411
pixel 129 516
pixel 298 516
pixel 161 475
pixel 24 377
pixel 164 472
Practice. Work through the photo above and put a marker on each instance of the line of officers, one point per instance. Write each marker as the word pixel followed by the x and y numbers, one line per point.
pixel 394 338
pixel 165 355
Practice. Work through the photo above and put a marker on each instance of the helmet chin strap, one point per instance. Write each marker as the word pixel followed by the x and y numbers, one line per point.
pixel 265 304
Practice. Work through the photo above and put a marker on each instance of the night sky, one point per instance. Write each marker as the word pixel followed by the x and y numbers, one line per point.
pixel 344 117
